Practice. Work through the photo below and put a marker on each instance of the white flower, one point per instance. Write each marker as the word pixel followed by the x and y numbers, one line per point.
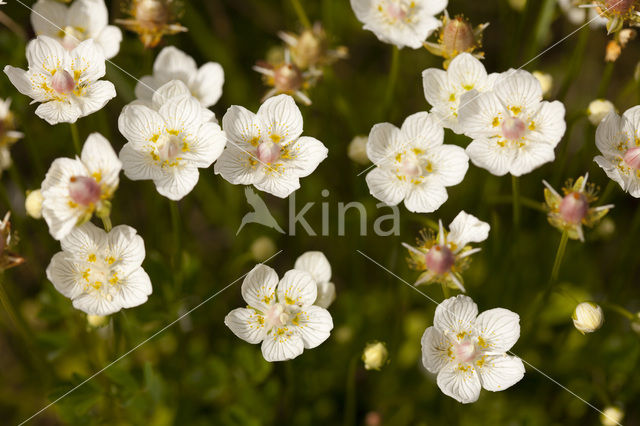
pixel 400 22
pixel 65 83
pixel 169 138
pixel 468 351
pixel 513 130
pixel 598 109
pixel 101 273
pixel 413 164
pixel 618 139
pixel 280 315
pixel 587 317
pixel 74 189
pixel 83 20
pixel 317 265
pixel 205 83
pixel 443 89
pixel 579 15
pixel 443 257
pixel 266 149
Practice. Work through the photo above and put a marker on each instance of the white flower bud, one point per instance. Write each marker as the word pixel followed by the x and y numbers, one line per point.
pixel 611 416
pixel 33 204
pixel 262 249
pixel 546 81
pixel 357 150
pixel 97 320
pixel 375 355
pixel 598 109
pixel 588 317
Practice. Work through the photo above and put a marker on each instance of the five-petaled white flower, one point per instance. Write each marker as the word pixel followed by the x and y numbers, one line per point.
pixel 316 264
pixel 413 164
pixel 443 89
pixel 65 83
pixel 83 20
pixel 266 149
pixel 400 22
pixel 74 189
pixel 468 351
pixel 205 83
pixel 513 130
pixel 443 257
pixel 101 272
pixel 169 138
pixel 281 314
pixel 618 139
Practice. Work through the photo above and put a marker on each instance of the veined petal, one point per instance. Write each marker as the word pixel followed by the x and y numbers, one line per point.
pixel 426 197
pixel 466 72
pixel 530 157
pixel 173 64
pixel 54 112
pixel 134 289
pixel 95 304
pixel 207 83
pixel 499 372
pixel 613 135
pixel 435 347
pixel 138 124
pixel 314 324
pixel 241 127
pixel 276 182
pixel 109 40
pixel 326 294
pixel 435 83
pixel 455 315
pixel 101 160
pixel 259 287
pixel 297 288
pixel 47 17
pixel 306 154
pixel 461 384
pixel 126 248
pixel 46 55
pixel 466 228
pixel 433 7
pixel 632 116
pixel 146 87
pixel 281 345
pixel 421 130
pixel 235 166
pixel 177 182
pixel 316 264
pixel 518 88
pixel 280 119
pixel 182 113
pixel 480 114
pixel 87 61
pixel 247 324
pixel 91 15
pixel 383 142
pixel 170 90
pixel 491 155
pixel 386 186
pixel 449 163
pixel 612 171
pixel 63 274
pixel 499 328
pixel 96 97
pixel 20 79
pixel 549 125
pixel 138 164
pixel 207 146
pixel 84 241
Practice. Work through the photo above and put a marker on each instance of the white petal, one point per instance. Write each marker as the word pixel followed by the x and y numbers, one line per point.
pixel 91 15
pixel 449 163
pixel 87 60
pixel 307 153
pixel 46 55
pixel 84 240
pixel 207 83
pixel 95 304
pixel 126 247
pixel 549 123
pixel 234 165
pixel 422 130
pixel 433 7
pixel 207 146
pixel 613 131
pixel 47 17
pixel 467 72
pixel 182 113
pixel 279 184
pixel 280 118
pixel 466 228
pixel 54 112
pixel 316 264
pixel 20 80
pixel 386 186
pixel 134 290
pixel 612 171
pixel 500 372
pixel 518 88
pixel 281 347
pixel 63 274
pixel 138 124
pixel 167 91
pixel 247 324
pixel 383 142
pixel 109 40
pixel 173 64
pixel 138 164
pixel 499 327
pixel 435 83
pixel 435 348
pixel 297 287
pixel 242 127
pixel 530 157
pixel 177 182
pixel 489 155
pixel 455 315
pixel 477 114
pixel 326 294
pixel 259 287
pixel 146 87
pixel 315 325
pixel 99 157
pixel 96 97
pixel 426 197
pixel 461 385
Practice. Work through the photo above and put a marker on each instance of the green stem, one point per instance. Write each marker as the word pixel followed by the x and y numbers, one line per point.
pixel 75 137
pixel 619 309
pixel 445 290
pixel 575 64
pixel 524 201
pixel 391 83
pixel 177 253
pixel 606 79
pixel 106 222
pixel 515 189
pixel 302 16
pixel 350 394
pixel 559 256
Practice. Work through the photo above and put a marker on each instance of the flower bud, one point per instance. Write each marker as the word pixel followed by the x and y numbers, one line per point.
pixel 375 356
pixel 598 109
pixel 357 150
pixel 612 51
pixel 546 82
pixel 97 320
pixel 457 36
pixel 287 78
pixel 588 317
pixel 611 416
pixel 33 204
pixel 262 249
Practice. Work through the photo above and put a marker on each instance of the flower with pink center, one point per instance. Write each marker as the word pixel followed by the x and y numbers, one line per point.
pixel 74 189
pixel 412 164
pixel 66 83
pixel 71 25
pixel 287 78
pixel 280 314
pixel 266 149
pixel 443 257
pixel 400 22
pixel 469 352
pixel 618 139
pixel 569 212
pixel 513 130
pixel 169 139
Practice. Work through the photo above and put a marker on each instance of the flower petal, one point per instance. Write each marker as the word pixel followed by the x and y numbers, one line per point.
pixel 182 113
pixel 87 61
pixel 549 123
pixel 47 17
pixel 100 158
pixel 383 142
pixel 435 348
pixel 109 40
pixel 530 157
pixel 207 146
pixel 297 288
pixel 138 124
pixel 490 155
pixel 96 97
pixel 280 119
pixel 281 345
pixel 499 372
pixel 422 130
pixel 316 264
pixel 247 324
pixel 518 88
pixel 259 287
pixel 177 182
pixel 463 385
pixel 138 164
pixel 466 72
pixel 207 83
pixel 426 197
pixel 84 241
pixel 466 228
pixel 173 64
pixel 314 325
pixel 63 274
pixel 307 153
pixel 449 163
pixel 54 112
pixel 386 186
pixel 234 165
pixel 133 290
pixel 242 127
pixel 455 315
pixel 126 247
pixel 91 15
pixel 499 328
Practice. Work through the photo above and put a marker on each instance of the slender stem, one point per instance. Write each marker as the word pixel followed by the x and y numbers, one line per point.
pixel 393 78
pixel 606 79
pixel 524 201
pixel 177 253
pixel 515 189
pixel 302 16
pixel 106 222
pixel 75 137
pixel 350 394
pixel 8 307
pixel 559 256
pixel 619 309
pixel 445 290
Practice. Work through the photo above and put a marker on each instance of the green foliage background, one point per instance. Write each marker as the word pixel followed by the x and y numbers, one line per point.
pixel 197 372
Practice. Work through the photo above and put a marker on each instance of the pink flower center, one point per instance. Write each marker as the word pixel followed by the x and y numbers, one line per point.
pixel 169 146
pixel 287 78
pixel 84 190
pixel 268 152
pixel 410 167
pixel 573 208
pixel 396 11
pixel 632 158
pixel 465 351
pixel 440 259
pixel 62 82
pixel 276 316
pixel 513 128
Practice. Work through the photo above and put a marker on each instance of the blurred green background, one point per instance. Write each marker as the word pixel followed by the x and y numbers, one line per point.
pixel 198 372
